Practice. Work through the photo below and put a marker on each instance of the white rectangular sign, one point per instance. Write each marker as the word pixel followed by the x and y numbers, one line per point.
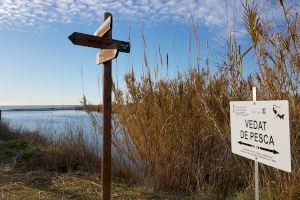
pixel 260 131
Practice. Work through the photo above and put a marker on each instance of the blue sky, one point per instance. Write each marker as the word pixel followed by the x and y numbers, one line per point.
pixel 39 65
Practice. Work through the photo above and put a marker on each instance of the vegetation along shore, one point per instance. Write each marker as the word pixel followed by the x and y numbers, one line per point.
pixel 174 133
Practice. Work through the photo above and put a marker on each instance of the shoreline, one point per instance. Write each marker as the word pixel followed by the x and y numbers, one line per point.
pixel 41 109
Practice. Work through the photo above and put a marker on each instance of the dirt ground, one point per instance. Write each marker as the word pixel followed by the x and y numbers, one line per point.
pixel 19 183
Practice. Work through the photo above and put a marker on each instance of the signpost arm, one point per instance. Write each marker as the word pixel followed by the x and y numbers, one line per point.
pixel 256 177
pixel 107 90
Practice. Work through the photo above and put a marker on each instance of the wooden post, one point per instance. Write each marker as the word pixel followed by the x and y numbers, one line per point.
pixel 106 156
pixel 110 49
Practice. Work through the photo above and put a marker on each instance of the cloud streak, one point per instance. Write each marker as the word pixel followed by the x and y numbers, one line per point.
pixel 26 13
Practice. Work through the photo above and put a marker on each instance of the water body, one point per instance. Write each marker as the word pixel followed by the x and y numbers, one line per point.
pixel 55 123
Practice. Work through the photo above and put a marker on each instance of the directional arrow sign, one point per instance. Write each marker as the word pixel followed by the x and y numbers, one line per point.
pixel 104 28
pixel 269 150
pixel 89 41
pixel 260 131
pixel 258 147
pixel 106 55
pixel 99 42
pixel 244 143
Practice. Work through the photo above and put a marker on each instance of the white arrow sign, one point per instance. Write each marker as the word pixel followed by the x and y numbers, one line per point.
pixel 106 55
pixel 104 28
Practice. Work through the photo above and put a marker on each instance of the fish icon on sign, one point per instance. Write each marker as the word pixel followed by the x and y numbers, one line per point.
pixel 276 110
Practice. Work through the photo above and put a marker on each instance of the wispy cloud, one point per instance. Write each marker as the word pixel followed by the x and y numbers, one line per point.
pixel 24 13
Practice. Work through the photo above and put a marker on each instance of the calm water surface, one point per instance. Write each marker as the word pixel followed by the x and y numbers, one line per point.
pixel 55 123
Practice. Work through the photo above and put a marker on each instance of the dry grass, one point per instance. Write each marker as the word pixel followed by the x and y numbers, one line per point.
pixel 60 169
pixel 178 130
pixel 69 186
pixel 65 152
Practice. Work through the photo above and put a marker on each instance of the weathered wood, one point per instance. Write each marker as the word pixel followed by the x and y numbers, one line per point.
pixel 104 28
pixel 106 156
pixel 122 46
pixel 87 40
pixel 110 49
pixel 106 55
pixel 90 41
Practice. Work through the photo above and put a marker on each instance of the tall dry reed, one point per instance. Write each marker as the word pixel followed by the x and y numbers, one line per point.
pixel 56 151
pixel 178 130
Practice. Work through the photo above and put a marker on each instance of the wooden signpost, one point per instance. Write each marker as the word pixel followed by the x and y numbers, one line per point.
pixel 102 39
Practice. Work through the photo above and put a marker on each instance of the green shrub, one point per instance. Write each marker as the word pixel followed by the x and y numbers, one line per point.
pixel 28 154
pixel 17 144
pixel 9 153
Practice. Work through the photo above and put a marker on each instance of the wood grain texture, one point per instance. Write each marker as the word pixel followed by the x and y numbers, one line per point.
pixel 106 141
pixel 104 28
pixel 105 55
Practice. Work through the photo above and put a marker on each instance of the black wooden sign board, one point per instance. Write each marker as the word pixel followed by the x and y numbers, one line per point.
pixel 99 42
